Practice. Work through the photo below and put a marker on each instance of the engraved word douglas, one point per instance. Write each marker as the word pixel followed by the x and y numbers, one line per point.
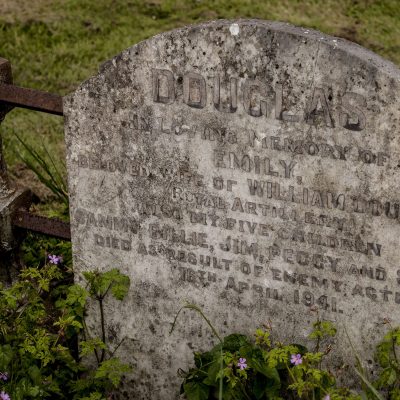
pixel 259 99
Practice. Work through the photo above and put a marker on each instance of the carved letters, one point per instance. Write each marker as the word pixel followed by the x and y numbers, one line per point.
pixel 258 99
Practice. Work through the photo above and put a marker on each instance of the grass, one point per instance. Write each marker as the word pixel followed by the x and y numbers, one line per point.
pixel 53 45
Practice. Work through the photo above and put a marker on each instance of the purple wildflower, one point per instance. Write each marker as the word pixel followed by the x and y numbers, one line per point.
pixel 242 363
pixel 4 396
pixel 53 259
pixel 327 397
pixel 3 376
pixel 296 359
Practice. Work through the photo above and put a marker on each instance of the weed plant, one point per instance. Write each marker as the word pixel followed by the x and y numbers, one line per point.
pixel 41 317
pixel 261 368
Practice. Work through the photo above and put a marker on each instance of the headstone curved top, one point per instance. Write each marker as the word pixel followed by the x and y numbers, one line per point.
pixel 249 167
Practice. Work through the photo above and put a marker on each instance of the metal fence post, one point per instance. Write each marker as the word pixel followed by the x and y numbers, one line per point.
pixel 14 201
pixel 11 197
pixel 5 77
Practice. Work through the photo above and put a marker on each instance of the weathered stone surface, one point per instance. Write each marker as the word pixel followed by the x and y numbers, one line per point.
pixel 249 167
pixel 19 198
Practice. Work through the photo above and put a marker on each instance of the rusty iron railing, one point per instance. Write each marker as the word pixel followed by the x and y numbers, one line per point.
pixel 15 202
pixel 37 223
pixel 36 100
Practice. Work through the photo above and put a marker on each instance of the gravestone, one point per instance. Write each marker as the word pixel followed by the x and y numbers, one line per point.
pixel 249 167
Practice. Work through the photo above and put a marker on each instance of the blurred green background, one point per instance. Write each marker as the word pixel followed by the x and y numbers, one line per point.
pixel 53 45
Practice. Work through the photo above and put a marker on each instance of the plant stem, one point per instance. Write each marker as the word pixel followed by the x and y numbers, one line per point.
pixel 197 309
pixel 394 349
pixel 291 374
pixel 221 367
pixel 119 344
pixel 103 328
pixel 243 390
pixel 86 336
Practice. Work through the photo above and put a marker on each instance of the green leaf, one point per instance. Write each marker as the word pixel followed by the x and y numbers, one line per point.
pixel 234 342
pixel 113 370
pixel 89 346
pixel 278 357
pixel 264 369
pixel 263 337
pixel 392 377
pixel 196 391
pixel 35 374
pixel 9 298
pixel 65 322
pixel 94 396
pixel 120 286
pixel 387 378
pixel 213 371
pixel 6 355
pixel 34 391
pixel 323 329
pixel 206 358
pixel 101 282
pixel 76 295
pixel 47 172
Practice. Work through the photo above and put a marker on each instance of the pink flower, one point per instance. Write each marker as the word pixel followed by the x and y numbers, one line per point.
pixel 296 359
pixel 3 376
pixel 242 363
pixel 4 396
pixel 53 259
pixel 327 397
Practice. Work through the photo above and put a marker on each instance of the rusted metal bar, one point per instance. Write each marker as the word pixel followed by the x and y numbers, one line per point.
pixel 32 99
pixel 5 77
pixel 48 226
pixel 14 202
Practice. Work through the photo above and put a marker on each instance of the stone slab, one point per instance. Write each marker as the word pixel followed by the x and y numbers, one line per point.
pixel 249 167
pixel 19 198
